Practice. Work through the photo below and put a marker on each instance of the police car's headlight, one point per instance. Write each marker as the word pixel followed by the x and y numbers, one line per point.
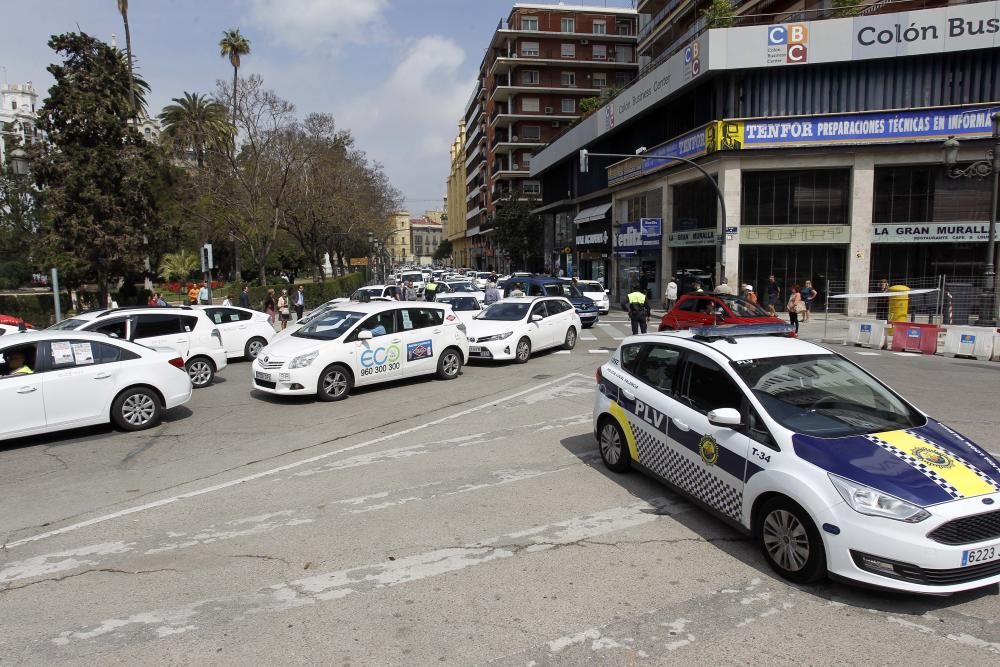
pixel 303 360
pixel 866 500
pixel 502 336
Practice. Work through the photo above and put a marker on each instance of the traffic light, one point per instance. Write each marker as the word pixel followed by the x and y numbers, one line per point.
pixel 207 261
pixel 584 161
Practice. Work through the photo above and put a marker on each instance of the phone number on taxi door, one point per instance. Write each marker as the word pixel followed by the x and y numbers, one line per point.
pixel 384 368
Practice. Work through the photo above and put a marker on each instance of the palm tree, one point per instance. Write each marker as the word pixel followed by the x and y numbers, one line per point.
pixel 195 123
pixel 233 45
pixel 179 264
pixel 123 10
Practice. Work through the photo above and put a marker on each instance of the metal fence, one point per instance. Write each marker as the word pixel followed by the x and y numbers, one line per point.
pixel 960 300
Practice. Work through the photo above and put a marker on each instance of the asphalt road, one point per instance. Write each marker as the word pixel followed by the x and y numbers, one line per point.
pixel 429 522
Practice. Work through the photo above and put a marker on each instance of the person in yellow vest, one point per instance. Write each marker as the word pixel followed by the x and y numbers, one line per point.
pixel 16 363
pixel 431 289
pixel 638 309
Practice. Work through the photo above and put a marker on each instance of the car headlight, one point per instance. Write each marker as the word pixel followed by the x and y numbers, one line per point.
pixel 502 336
pixel 866 500
pixel 303 360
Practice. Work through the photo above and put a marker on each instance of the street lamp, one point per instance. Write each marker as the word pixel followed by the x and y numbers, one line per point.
pixel 19 162
pixel 987 167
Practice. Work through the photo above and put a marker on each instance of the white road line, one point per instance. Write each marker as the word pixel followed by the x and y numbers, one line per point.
pixel 599 351
pixel 273 471
pixel 612 331
pixel 587 336
pixel 562 352
pixel 868 354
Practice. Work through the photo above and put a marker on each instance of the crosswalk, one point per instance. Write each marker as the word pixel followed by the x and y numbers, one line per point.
pixel 603 338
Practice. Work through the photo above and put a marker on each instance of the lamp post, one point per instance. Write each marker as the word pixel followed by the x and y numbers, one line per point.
pixel 987 167
pixel 19 162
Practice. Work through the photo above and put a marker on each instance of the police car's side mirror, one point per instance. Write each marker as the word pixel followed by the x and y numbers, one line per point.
pixel 725 418
pixel 365 335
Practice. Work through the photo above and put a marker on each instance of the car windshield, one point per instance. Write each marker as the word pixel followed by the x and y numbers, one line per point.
pixel 415 277
pixel 505 312
pixel 561 289
pixel 461 302
pixel 319 312
pixel 330 326
pixel 590 287
pixel 744 308
pixel 462 286
pixel 825 396
pixel 70 324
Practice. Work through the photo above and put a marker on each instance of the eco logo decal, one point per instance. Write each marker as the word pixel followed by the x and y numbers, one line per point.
pixel 423 349
pixel 380 356
pixel 709 450
pixel 933 457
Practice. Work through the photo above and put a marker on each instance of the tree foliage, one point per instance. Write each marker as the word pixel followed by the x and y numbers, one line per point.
pixel 18 220
pixel 847 8
pixel 195 124
pixel 179 265
pixel 720 14
pixel 515 228
pixel 444 250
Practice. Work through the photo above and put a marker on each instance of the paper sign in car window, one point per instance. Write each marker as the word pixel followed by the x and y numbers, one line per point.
pixel 62 353
pixel 84 353
pixel 407 322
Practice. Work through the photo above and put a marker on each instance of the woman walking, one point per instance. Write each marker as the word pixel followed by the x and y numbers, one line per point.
pixel 808 294
pixel 795 307
pixel 283 308
pixel 269 306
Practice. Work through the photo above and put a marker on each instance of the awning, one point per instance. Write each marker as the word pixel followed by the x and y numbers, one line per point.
pixel 592 213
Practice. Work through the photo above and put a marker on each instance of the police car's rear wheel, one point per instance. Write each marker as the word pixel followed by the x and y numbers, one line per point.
pixel 790 542
pixel 614 451
pixel 335 383
pixel 523 351
pixel 570 342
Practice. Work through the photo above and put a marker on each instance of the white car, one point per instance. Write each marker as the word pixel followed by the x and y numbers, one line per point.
pixel 463 285
pixel 376 291
pixel 82 379
pixel 595 291
pixel 481 279
pixel 828 468
pixel 244 332
pixel 466 305
pixel 416 277
pixel 363 343
pixel 187 331
pixel 514 327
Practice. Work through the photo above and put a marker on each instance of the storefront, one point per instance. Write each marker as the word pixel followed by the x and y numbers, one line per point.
pixel 593 243
pixel 637 251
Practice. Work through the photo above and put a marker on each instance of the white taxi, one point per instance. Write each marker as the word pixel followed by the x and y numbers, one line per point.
pixel 829 469
pixel 363 343
pixel 514 327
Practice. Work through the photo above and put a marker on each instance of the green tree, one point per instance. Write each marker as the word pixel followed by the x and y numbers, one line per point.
pixel 847 8
pixel 101 187
pixel 179 265
pixel 195 124
pixel 719 14
pixel 18 219
pixel 515 229
pixel 123 10
pixel 589 105
pixel 444 250
pixel 234 46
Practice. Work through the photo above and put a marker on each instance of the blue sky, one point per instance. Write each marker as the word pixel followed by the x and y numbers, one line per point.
pixel 395 72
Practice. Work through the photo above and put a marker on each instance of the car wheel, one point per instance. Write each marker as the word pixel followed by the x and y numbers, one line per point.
pixel 613 446
pixel 201 371
pixel 570 339
pixel 790 542
pixel 253 347
pixel 335 383
pixel 449 365
pixel 523 351
pixel 136 409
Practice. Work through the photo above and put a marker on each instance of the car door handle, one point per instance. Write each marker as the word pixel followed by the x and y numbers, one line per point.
pixel 27 390
pixel 629 395
pixel 679 424
pixel 395 340
pixel 102 376
pixel 437 331
pixel 181 340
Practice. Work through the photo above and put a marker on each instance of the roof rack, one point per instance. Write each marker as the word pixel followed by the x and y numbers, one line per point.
pixel 730 332
pixel 109 311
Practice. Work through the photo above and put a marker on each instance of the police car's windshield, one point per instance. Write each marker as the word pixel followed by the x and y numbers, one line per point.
pixel 330 326
pixel 461 302
pixel 505 312
pixel 68 325
pixel 825 396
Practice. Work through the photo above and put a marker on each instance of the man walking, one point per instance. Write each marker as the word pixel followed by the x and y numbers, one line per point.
pixel 670 293
pixel 723 287
pixel 492 294
pixel 299 301
pixel 772 292
pixel 638 309
pixel 203 295
pixel 245 297
pixel 409 293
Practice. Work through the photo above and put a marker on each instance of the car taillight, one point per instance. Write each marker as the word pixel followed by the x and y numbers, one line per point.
pixel 177 362
pixel 599 376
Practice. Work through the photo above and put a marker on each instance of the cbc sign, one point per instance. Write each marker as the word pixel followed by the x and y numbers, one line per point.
pixel 788 42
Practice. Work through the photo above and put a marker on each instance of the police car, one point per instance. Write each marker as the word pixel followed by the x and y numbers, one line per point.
pixel 363 343
pixel 829 469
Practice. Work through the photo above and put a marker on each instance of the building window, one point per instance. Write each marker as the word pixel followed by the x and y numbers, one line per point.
pixel 13 105
pixel 600 80
pixel 621 79
pixel 600 27
pixel 569 105
pixel 926 194
pixel 529 23
pixel 817 197
pixel 624 29
pixel 531 188
pixel 529 49
pixel 600 52
pixel 568 51
pixel 526 160
pixel 529 104
pixel 623 54
pixel 529 77
pixel 695 206
pixel 569 79
pixel 531 132
pixel 567 25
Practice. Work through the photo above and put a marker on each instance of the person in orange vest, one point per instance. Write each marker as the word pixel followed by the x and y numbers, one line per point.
pixel 192 294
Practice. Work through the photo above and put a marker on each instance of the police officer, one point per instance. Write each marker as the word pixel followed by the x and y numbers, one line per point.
pixel 430 289
pixel 638 308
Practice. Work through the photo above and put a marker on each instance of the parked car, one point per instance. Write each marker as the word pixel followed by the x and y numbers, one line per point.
pixel 514 327
pixel 11 324
pixel 699 310
pixel 466 305
pixel 244 332
pixel 595 291
pixel 373 291
pixel 542 286
pixel 189 332
pixel 80 379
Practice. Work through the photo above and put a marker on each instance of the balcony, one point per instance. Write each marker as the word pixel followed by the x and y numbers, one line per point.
pixel 506 119
pixel 522 171
pixel 505 93
pixel 505 64
pixel 471 139
pixel 470 161
pixel 505 146
pixel 474 172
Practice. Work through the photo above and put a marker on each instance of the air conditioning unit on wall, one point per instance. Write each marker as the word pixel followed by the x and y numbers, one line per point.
pixel 549 110
pixel 555 123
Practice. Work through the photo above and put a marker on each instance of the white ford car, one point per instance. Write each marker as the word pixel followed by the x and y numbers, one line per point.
pixel 363 343
pixel 514 327
pixel 829 469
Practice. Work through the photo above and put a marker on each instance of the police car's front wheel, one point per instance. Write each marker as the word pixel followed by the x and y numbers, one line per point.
pixel 790 542
pixel 614 450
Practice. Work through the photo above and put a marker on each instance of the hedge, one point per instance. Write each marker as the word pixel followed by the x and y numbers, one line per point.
pixel 316 293
pixel 38 309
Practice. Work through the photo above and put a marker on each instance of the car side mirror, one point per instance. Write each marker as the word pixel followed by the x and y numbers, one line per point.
pixel 536 318
pixel 365 335
pixel 725 418
pixel 607 291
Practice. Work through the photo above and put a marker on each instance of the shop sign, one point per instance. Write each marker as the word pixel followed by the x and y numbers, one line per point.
pixel 700 237
pixel 592 239
pixel 932 232
pixel 689 146
pixel 651 227
pixel 795 234
pixel 629 239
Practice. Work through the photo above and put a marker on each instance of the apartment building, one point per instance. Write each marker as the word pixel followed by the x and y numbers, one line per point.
pixel 545 65
pixel 426 235
pixel 17 117
pixel 455 203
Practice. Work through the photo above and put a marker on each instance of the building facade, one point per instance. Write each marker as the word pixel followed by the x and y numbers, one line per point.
pixel 822 135
pixel 426 233
pixel 455 202
pixel 544 67
pixel 18 109
pixel 399 242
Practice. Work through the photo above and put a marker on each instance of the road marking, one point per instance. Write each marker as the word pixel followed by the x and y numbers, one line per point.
pixel 562 352
pixel 587 336
pixel 598 351
pixel 289 466
pixel 612 331
pixel 868 354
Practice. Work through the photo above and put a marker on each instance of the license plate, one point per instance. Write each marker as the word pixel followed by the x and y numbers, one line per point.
pixel 262 376
pixel 475 349
pixel 980 555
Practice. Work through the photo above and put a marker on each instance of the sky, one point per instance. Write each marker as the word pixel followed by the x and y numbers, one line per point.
pixel 397 73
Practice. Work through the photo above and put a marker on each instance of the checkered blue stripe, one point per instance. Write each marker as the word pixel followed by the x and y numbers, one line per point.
pixel 929 472
pixel 979 473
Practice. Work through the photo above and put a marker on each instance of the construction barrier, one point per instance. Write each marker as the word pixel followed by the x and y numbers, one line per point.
pixel 866 333
pixel 913 337
pixel 972 342
pixel 996 348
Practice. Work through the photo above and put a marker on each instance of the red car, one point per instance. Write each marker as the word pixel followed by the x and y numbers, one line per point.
pixel 699 310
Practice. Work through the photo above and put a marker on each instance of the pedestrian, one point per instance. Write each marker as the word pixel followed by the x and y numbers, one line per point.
pixel 284 312
pixel 808 294
pixel 795 307
pixel 772 292
pixel 192 294
pixel 431 289
pixel 299 300
pixel 749 294
pixel 152 299
pixel 160 301
pixel 227 302
pixel 671 293
pixel 409 292
pixel 492 294
pixel 245 297
pixel 269 306
pixel 882 302
pixel 517 291
pixel 696 287
pixel 203 295
pixel 723 287
pixel 638 308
